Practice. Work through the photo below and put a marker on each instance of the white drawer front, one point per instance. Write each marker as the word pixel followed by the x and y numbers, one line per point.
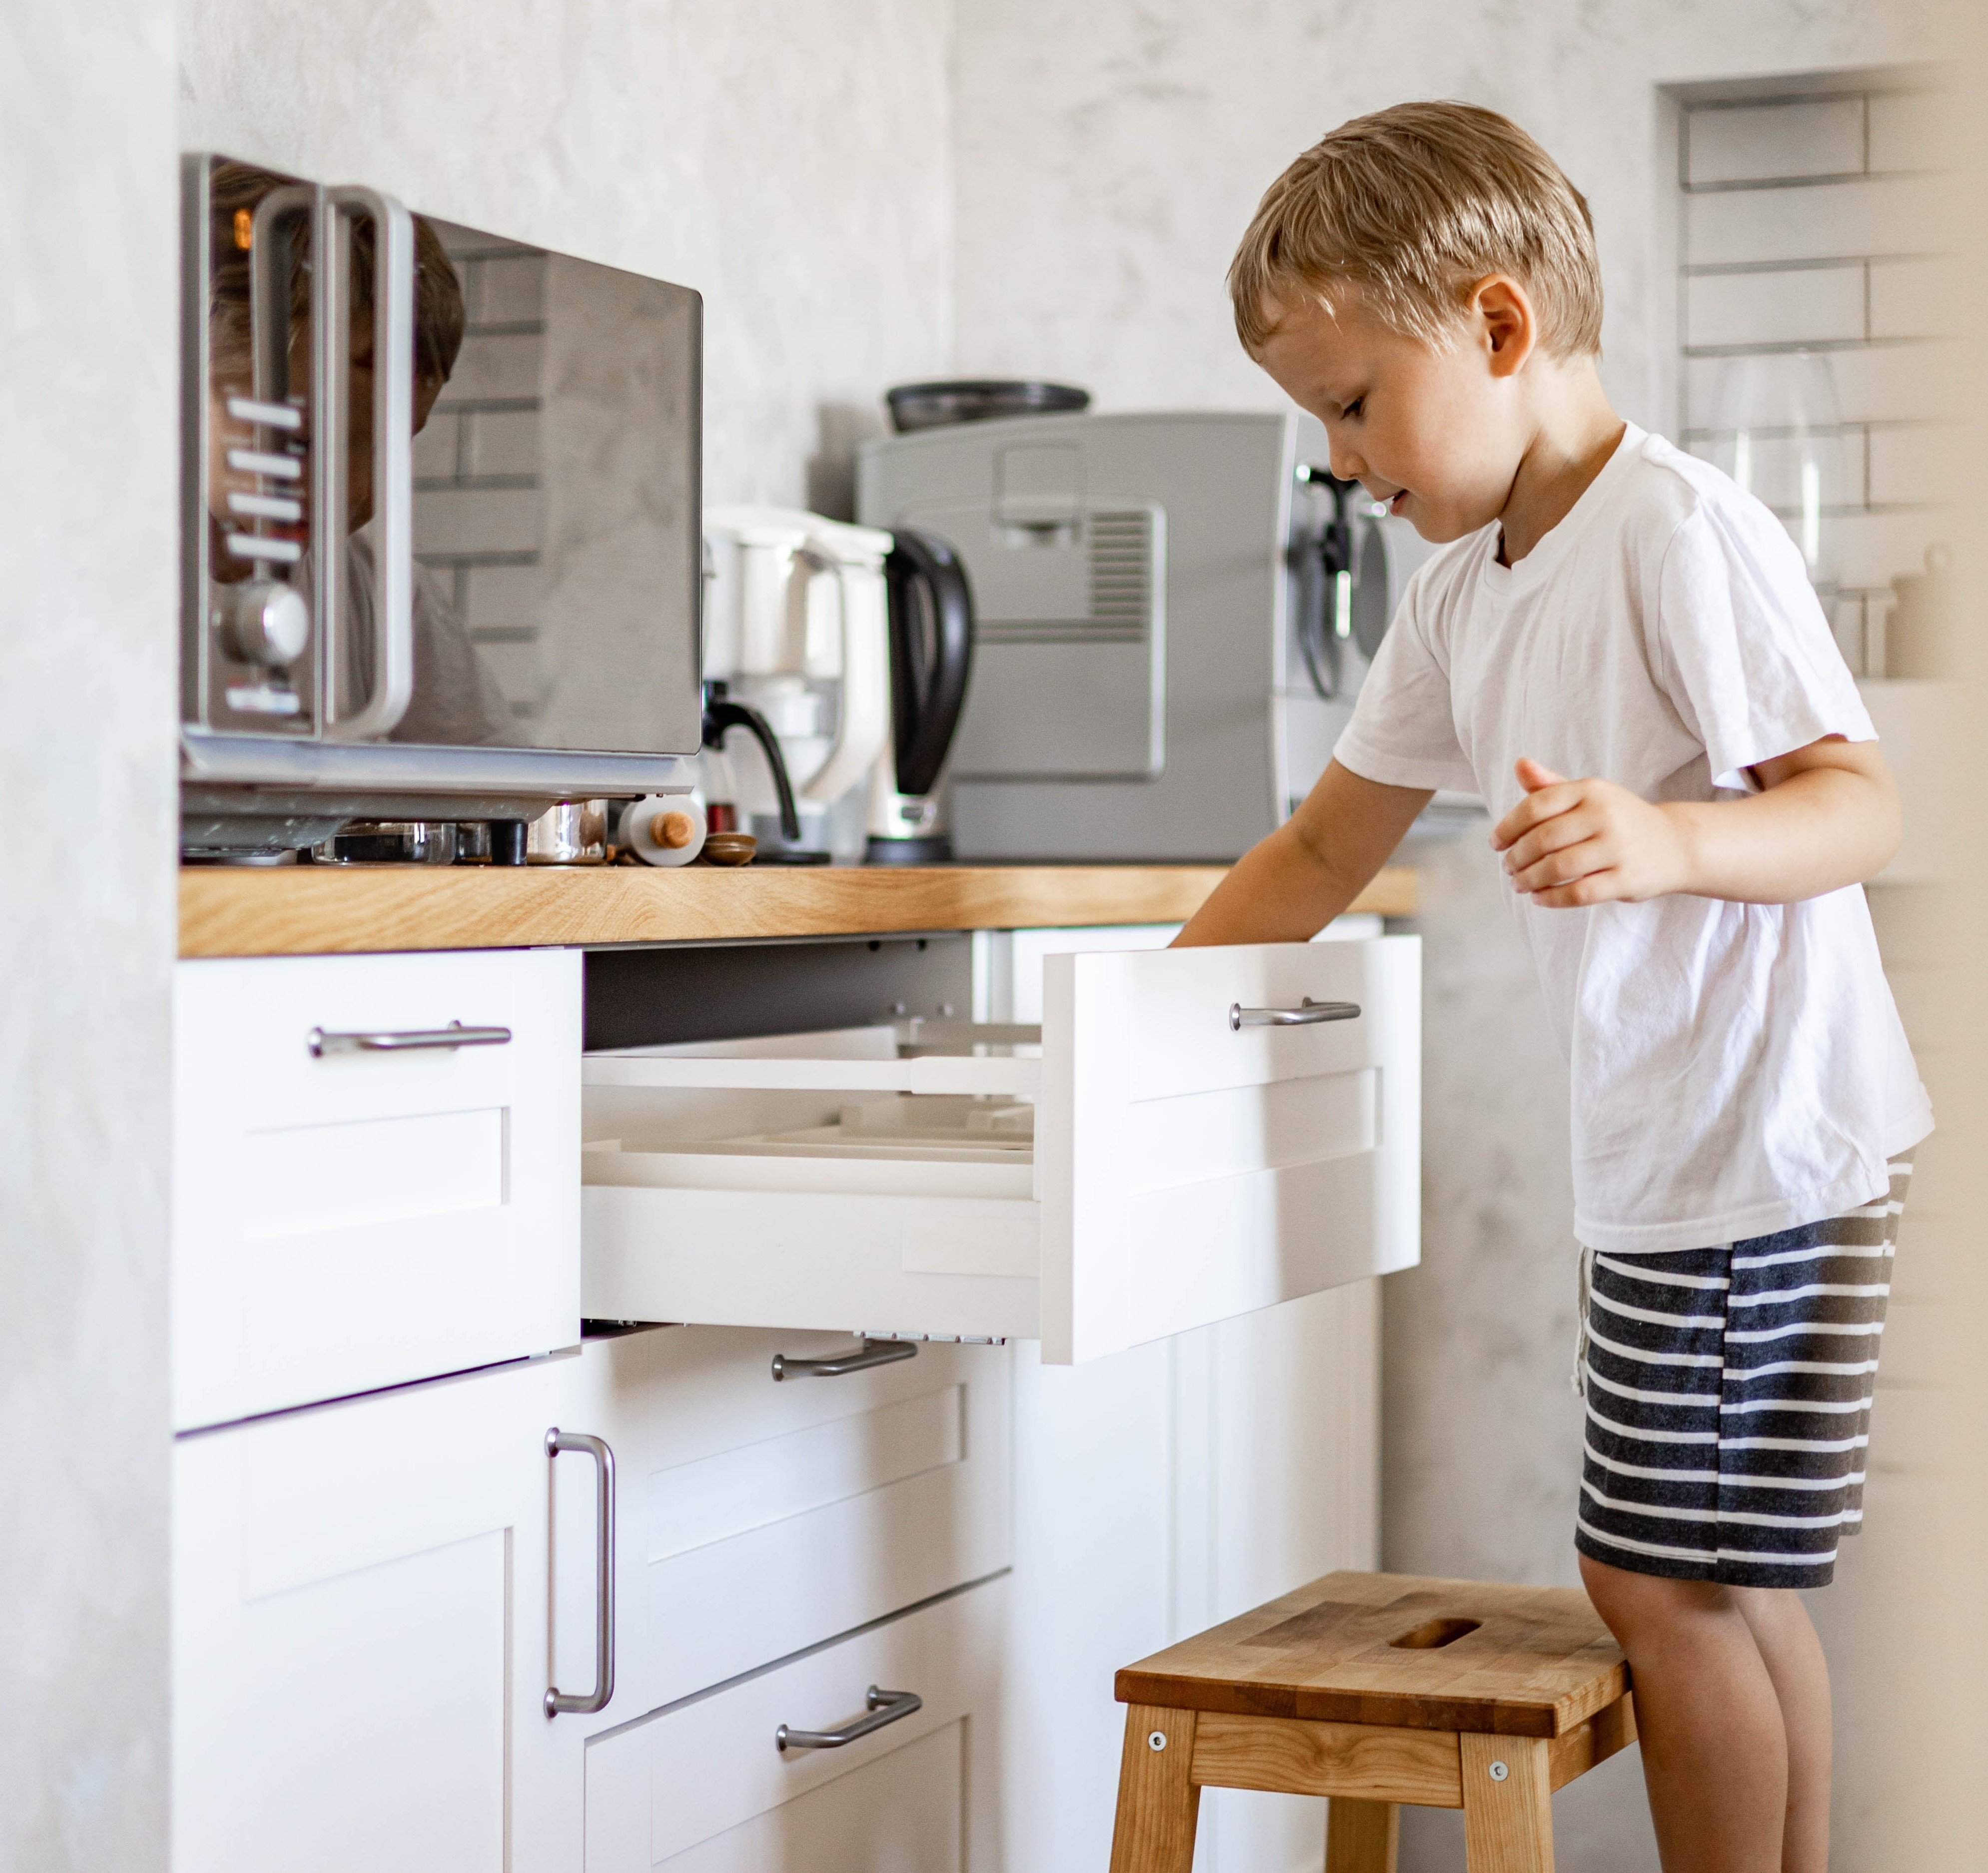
pixel 344 1220
pixel 703 1787
pixel 1193 1171
pixel 758 1518
pixel 1183 1170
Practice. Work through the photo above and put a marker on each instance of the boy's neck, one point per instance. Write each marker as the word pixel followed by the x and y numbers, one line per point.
pixel 1574 432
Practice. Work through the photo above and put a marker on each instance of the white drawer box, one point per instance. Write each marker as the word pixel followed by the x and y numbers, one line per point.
pixel 757 1518
pixel 346 1220
pixel 704 1787
pixel 1183 1169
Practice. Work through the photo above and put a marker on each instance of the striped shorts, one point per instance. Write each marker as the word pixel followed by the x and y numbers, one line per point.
pixel 1728 1395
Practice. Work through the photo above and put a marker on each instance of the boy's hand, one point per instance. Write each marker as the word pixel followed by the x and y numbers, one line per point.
pixel 1569 842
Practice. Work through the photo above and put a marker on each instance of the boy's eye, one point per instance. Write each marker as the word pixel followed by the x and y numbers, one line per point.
pixel 1352 410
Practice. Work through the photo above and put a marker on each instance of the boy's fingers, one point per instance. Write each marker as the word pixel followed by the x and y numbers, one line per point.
pixel 1553 835
pixel 1563 867
pixel 1534 775
pixel 1596 888
pixel 1535 809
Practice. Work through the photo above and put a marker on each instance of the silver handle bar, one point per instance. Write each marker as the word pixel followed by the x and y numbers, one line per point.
pixel 884 1706
pixel 1304 1015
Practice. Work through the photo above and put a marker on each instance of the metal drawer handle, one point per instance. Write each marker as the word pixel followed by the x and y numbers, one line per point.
pixel 557 1700
pixel 858 1359
pixel 406 1040
pixel 1303 1015
pixel 884 1706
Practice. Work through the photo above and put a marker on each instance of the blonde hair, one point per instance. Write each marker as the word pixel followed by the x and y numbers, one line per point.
pixel 1414 204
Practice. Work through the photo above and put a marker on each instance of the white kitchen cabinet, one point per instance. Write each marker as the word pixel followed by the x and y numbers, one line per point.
pixel 359 1632
pixel 704 1787
pixel 757 1517
pixel 361 1198
pixel 1162 1163
pixel 1158 1492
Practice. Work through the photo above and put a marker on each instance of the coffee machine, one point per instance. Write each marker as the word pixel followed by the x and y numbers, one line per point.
pixel 1174 612
pixel 854 646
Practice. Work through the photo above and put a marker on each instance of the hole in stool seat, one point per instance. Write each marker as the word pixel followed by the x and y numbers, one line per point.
pixel 1434 1632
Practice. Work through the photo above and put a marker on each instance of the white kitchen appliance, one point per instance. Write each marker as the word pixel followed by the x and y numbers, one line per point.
pixel 1175 613
pixel 854 644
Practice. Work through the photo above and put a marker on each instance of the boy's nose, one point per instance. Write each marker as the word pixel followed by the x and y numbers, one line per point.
pixel 1345 464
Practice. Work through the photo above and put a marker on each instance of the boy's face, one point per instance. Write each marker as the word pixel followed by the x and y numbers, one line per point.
pixel 1436 434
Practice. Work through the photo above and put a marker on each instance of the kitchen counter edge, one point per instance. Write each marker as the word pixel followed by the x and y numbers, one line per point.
pixel 302 910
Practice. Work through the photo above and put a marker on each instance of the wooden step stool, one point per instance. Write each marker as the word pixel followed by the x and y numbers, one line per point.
pixel 1374 1689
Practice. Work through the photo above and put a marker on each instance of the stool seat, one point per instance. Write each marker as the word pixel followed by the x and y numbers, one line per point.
pixel 1375 1690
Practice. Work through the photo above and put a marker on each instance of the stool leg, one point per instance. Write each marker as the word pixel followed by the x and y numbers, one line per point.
pixel 1158 1802
pixel 1507 1804
pixel 1361 1837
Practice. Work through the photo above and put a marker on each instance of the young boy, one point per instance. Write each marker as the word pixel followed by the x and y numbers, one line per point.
pixel 1620 651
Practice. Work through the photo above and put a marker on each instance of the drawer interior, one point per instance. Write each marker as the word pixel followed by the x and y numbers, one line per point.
pixel 770 1113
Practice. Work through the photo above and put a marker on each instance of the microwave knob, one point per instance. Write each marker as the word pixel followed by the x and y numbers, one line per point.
pixel 262 622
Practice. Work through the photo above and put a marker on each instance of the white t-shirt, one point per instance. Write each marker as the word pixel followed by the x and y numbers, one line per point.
pixel 1737 1068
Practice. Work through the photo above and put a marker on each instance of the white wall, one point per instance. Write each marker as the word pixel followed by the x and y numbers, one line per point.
pixel 790 159
pixel 89 528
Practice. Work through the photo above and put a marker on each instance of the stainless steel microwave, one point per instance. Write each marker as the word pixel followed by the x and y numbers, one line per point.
pixel 441 520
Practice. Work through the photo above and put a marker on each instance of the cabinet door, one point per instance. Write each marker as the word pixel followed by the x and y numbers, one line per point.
pixel 703 1787
pixel 759 1517
pixel 359 1626
pixel 349 1218
pixel 1186 1165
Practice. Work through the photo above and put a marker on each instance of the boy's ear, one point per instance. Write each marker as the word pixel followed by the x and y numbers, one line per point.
pixel 1503 312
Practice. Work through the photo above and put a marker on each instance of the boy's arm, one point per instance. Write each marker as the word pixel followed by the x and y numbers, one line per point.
pixel 1827 816
pixel 1286 888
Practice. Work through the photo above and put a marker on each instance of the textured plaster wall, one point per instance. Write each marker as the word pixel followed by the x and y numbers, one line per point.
pixel 1108 160
pixel 790 159
pixel 88 532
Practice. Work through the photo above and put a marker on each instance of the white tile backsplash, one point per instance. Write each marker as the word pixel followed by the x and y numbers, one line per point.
pixel 1878 215
pixel 1873 549
pixel 1916 464
pixel 1775 468
pixel 1880 383
pixel 1914 130
pixel 1916 299
pixel 1814 306
pixel 1733 143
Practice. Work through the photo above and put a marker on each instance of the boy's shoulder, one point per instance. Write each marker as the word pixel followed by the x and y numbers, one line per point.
pixel 1662 490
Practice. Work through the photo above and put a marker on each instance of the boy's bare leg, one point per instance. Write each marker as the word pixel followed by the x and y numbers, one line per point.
pixel 1793 1656
pixel 1715 1746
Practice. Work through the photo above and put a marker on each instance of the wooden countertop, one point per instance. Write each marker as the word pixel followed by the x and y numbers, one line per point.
pixel 312 910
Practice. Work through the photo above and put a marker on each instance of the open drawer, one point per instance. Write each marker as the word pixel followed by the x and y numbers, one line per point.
pixel 1187 1140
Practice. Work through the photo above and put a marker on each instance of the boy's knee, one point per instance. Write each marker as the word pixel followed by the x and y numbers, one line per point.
pixel 1626 1599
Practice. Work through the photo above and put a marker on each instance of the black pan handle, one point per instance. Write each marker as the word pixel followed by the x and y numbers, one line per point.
pixel 928 697
pixel 721 712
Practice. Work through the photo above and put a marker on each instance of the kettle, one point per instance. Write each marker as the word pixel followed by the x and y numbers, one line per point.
pixel 796 626
pixel 851 647
pixel 931 659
